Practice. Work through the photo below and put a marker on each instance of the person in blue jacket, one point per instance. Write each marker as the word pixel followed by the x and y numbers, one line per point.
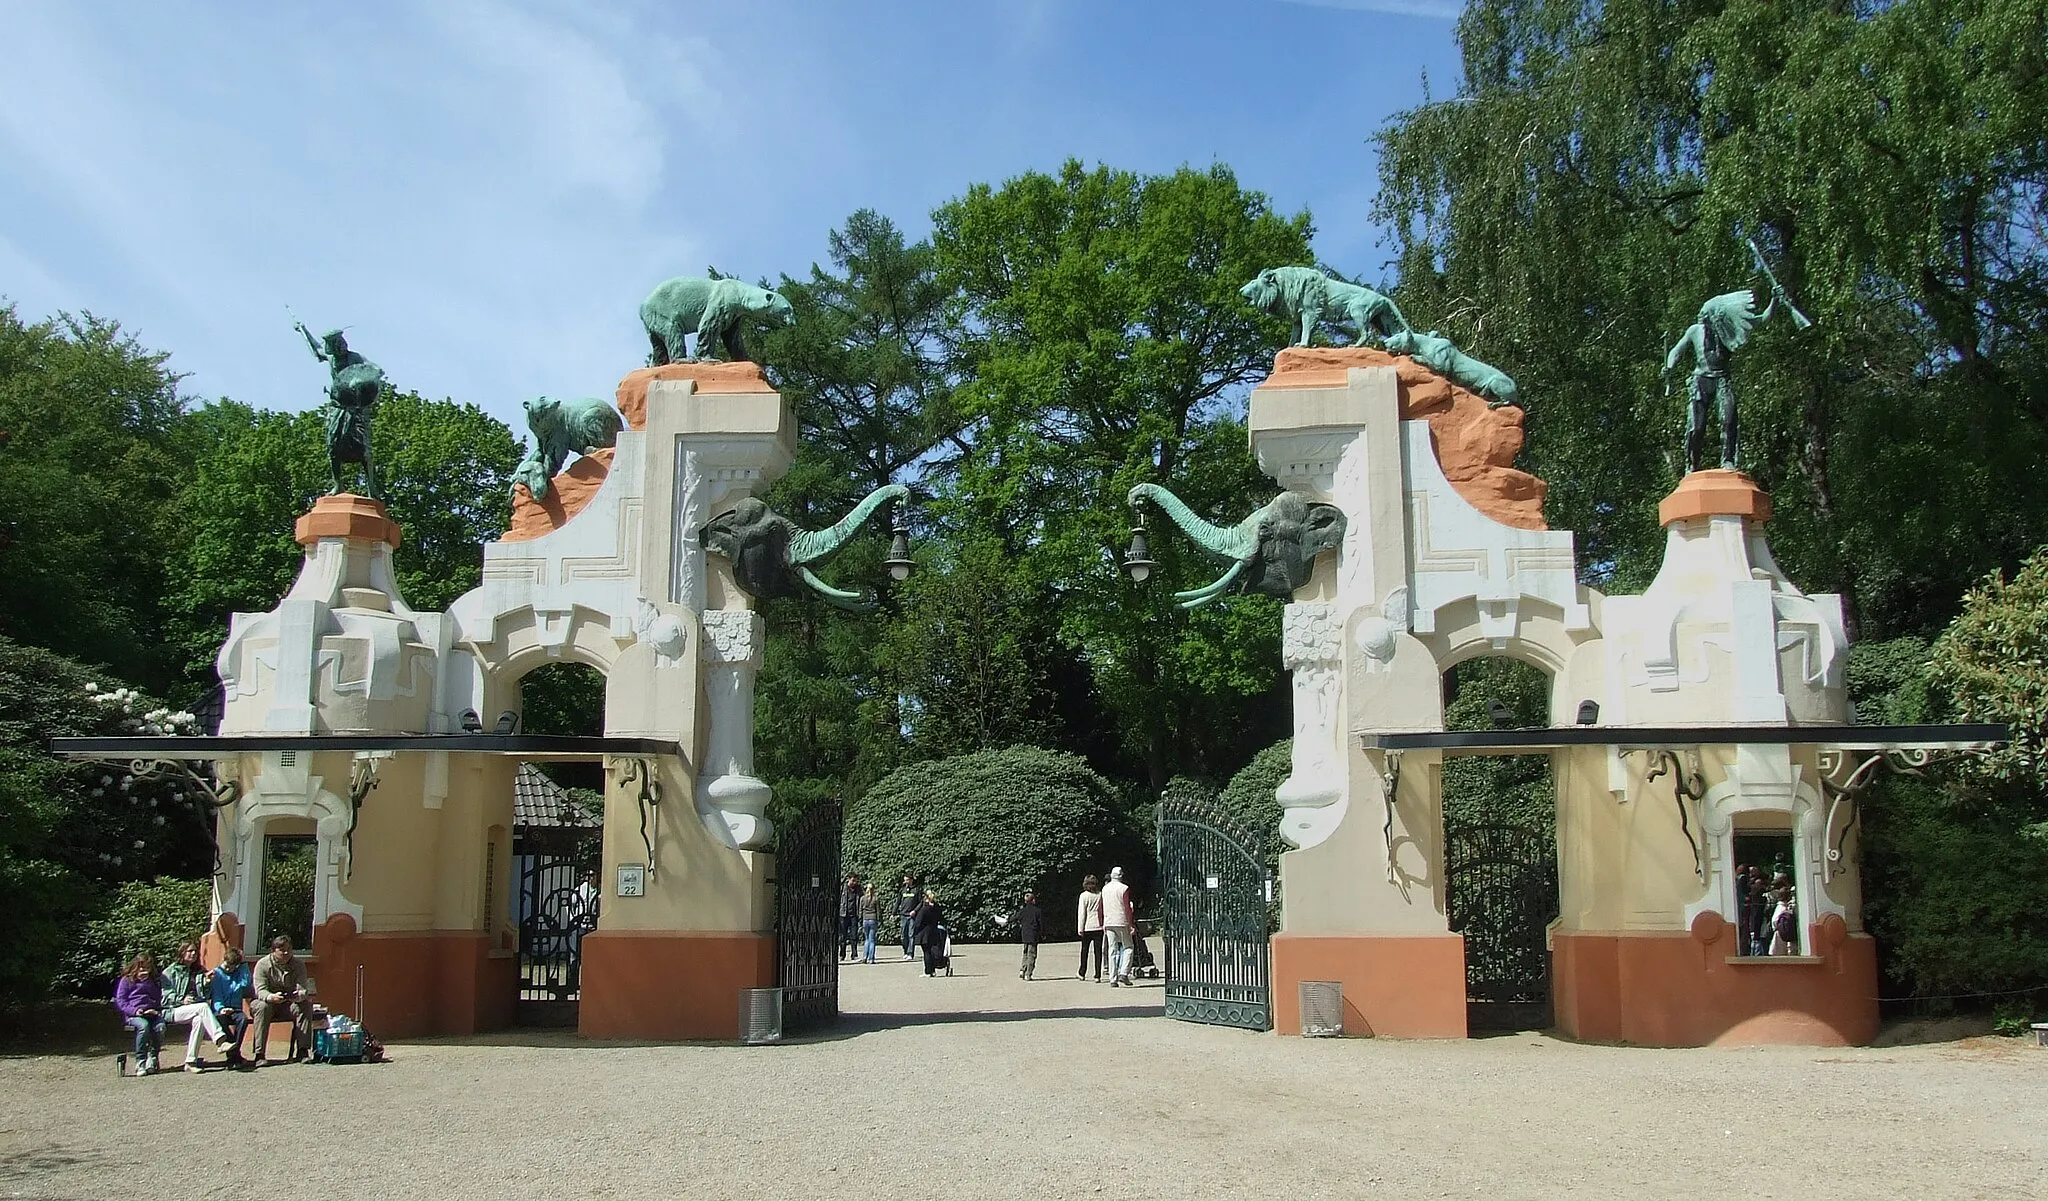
pixel 227 989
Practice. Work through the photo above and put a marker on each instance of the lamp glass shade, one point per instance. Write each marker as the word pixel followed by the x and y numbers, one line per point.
pixel 1138 557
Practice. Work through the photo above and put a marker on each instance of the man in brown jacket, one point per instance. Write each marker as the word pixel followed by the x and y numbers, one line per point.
pixel 279 981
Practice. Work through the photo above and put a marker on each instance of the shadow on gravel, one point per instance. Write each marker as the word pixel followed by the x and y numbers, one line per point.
pixel 21 1165
pixel 853 1025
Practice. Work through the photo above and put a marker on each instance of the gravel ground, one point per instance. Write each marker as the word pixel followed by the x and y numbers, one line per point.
pixel 986 1086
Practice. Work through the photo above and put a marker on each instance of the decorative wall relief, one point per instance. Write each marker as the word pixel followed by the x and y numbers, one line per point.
pixel 732 654
pixel 1312 646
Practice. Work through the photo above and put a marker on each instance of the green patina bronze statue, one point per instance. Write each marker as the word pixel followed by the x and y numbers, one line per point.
pixel 712 309
pixel 354 385
pixel 1272 551
pixel 772 556
pixel 562 428
pixel 1304 296
pixel 1442 356
pixel 1723 326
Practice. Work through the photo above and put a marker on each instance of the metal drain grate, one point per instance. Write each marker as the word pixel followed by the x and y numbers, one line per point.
pixel 1322 1008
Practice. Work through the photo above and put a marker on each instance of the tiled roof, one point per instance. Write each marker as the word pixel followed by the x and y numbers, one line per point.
pixel 540 802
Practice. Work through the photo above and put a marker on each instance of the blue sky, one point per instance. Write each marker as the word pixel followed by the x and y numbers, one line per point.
pixel 483 191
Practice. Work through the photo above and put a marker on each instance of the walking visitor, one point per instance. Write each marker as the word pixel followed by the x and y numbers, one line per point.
pixel 930 923
pixel 849 917
pixel 1030 921
pixel 139 997
pixel 1118 921
pixel 1088 920
pixel 870 918
pixel 907 900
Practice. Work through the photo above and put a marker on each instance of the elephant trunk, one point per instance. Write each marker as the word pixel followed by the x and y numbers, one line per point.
pixel 812 546
pixel 1230 543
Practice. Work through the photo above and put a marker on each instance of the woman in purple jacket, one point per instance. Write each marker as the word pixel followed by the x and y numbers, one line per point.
pixel 140 998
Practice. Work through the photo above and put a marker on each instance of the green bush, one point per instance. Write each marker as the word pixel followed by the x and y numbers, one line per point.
pixel 153 916
pixel 1249 800
pixel 979 829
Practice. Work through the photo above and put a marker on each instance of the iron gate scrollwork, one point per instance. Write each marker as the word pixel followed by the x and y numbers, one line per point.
pixel 1501 895
pixel 807 888
pixel 1219 917
pixel 554 912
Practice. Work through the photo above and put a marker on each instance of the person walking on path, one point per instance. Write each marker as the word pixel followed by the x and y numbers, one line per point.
pixel 870 917
pixel 849 917
pixel 1089 922
pixel 930 923
pixel 1118 921
pixel 139 996
pixel 1030 921
pixel 907 900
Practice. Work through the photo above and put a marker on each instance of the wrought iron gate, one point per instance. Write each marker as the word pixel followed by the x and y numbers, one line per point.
pixel 1219 917
pixel 553 916
pixel 1501 894
pixel 807 888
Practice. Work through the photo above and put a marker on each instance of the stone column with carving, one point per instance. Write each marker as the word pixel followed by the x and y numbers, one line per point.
pixel 1312 646
pixel 732 655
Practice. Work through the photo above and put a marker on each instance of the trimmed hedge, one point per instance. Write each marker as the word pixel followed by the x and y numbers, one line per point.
pixel 979 829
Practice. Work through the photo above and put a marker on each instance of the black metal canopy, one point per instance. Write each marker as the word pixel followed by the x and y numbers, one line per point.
pixel 523 746
pixel 1457 743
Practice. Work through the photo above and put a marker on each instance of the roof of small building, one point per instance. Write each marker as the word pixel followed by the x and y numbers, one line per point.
pixel 538 802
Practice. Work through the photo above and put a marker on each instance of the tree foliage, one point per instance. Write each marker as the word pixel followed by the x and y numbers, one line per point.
pixel 1599 174
pixel 1992 662
pixel 981 828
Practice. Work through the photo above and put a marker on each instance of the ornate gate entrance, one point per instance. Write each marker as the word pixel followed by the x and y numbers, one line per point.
pixel 1219 917
pixel 807 888
pixel 1501 894
pixel 553 916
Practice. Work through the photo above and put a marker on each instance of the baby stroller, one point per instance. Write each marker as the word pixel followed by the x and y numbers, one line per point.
pixel 1142 963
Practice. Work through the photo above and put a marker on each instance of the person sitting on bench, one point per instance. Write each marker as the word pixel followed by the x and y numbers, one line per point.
pixel 280 984
pixel 139 996
pixel 186 1000
pixel 228 988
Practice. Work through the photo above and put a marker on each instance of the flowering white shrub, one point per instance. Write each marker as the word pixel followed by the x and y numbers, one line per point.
pixel 160 722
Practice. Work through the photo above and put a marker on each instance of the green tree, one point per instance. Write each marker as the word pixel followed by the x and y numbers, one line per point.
pixel 979 829
pixel 87 469
pixel 1103 343
pixel 1992 664
pixel 1598 174
pixel 863 368
pixel 446 472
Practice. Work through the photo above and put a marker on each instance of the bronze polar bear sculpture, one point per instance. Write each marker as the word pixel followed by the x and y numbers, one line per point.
pixel 712 309
pixel 562 428
pixel 1305 295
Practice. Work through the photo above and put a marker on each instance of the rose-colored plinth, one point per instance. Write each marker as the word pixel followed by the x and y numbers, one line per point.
pixel 347 515
pixel 1689 989
pixel 670 985
pixel 1395 986
pixel 568 493
pixel 710 377
pixel 1475 444
pixel 1716 493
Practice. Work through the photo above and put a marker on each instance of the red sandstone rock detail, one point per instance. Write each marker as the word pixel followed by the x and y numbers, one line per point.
pixel 1475 445
pixel 710 377
pixel 1719 492
pixel 346 515
pixel 568 493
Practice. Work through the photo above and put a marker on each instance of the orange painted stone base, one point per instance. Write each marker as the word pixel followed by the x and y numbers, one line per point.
pixel 416 982
pixel 670 985
pixel 1716 493
pixel 1395 986
pixel 568 493
pixel 1476 444
pixel 346 515
pixel 1678 989
pixel 710 377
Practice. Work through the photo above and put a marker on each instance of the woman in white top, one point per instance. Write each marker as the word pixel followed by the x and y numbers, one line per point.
pixel 1089 922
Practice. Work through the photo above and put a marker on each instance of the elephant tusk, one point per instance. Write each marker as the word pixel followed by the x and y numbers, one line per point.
pixel 838 598
pixel 1195 598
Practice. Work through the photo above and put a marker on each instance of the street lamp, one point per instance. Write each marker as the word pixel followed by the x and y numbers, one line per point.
pixel 899 562
pixel 1138 556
